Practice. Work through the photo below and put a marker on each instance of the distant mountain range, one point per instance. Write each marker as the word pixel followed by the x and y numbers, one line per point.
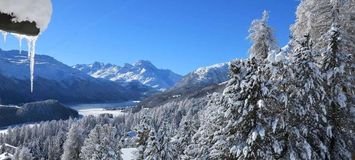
pixel 98 82
pixel 55 80
pixel 205 76
pixel 142 71
pixel 199 83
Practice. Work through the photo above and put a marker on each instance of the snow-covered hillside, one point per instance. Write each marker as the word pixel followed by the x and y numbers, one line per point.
pixel 204 76
pixel 15 65
pixel 142 71
pixel 196 84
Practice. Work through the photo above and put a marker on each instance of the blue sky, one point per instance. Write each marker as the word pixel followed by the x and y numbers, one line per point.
pixel 180 35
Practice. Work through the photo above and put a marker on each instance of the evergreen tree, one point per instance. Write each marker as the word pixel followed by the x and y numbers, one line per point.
pixel 305 119
pixel 315 18
pixel 262 37
pixel 164 139
pixel 153 147
pixel 143 131
pixel 102 143
pixel 23 154
pixel 210 119
pixel 184 136
pixel 73 143
pixel 340 96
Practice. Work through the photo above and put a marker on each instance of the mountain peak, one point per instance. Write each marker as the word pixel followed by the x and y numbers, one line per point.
pixel 144 64
pixel 142 71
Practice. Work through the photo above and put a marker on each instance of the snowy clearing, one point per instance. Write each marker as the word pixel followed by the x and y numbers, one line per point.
pixel 96 109
pixel 99 111
pixel 129 153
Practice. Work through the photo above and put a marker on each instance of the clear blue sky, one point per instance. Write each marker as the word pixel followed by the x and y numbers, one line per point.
pixel 180 35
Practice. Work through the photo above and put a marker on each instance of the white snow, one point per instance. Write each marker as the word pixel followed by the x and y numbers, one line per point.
pixel 129 153
pixel 277 148
pixel 5 156
pixel 329 131
pixel 99 111
pixel 261 132
pixel 3 131
pixel 38 11
pixel 261 104
pixel 275 57
pixel 204 72
pixel 142 71
pixel 274 125
pixel 307 147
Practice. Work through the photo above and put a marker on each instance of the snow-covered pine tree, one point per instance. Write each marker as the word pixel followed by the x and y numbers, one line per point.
pixel 23 153
pixel 244 115
pixel 73 143
pixel 102 143
pixel 336 66
pixel 248 114
pixel 164 140
pixel 143 134
pixel 260 33
pixel 153 147
pixel 305 119
pixel 201 142
pixel 315 17
pixel 184 135
pixel 57 145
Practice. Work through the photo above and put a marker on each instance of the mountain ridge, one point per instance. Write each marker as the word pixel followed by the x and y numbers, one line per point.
pixel 55 80
pixel 142 71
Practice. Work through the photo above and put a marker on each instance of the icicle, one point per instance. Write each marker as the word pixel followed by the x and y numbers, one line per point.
pixel 28 48
pixel 31 42
pixel 19 38
pixel 4 34
pixel 20 44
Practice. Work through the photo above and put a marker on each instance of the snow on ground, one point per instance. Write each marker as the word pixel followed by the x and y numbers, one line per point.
pixel 6 156
pixel 96 109
pixel 3 131
pixel 99 111
pixel 129 153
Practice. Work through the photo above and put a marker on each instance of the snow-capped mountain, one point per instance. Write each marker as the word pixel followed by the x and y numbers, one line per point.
pixel 142 71
pixel 204 76
pixel 196 84
pixel 55 80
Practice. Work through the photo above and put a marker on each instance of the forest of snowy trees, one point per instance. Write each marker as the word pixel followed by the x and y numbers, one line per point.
pixel 291 103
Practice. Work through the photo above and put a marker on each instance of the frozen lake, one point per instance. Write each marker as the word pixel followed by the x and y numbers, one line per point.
pixel 96 109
